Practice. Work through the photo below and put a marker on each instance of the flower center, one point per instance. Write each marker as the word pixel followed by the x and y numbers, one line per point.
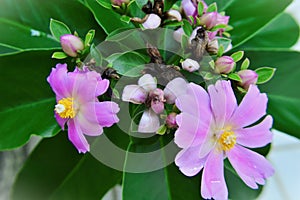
pixel 227 140
pixel 65 108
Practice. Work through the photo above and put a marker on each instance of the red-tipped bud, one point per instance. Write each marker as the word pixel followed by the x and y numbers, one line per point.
pixel 171 120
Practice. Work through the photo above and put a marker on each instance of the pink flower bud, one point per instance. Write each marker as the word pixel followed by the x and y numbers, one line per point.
pixel 171 120
pixel 190 65
pixel 119 2
pixel 248 77
pixel 153 21
pixel 71 44
pixel 224 65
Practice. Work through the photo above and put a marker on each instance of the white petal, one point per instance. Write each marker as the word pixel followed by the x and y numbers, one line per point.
pixel 175 14
pixel 152 22
pixel 147 82
pixel 134 94
pixel 174 89
pixel 149 122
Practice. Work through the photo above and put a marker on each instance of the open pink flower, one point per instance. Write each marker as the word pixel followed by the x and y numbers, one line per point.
pixel 78 106
pixel 213 127
pixel 147 92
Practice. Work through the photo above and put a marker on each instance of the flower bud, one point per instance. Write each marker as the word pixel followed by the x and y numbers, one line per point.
pixel 119 2
pixel 224 65
pixel 153 21
pixel 248 77
pixel 157 100
pixel 71 44
pixel 190 65
pixel 171 120
pixel 174 15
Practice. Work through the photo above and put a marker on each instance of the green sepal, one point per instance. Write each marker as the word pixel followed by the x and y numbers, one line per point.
pixel 58 28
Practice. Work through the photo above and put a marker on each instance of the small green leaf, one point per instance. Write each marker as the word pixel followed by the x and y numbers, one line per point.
pixel 59 55
pixel 225 42
pixel 245 64
pixel 264 74
pixel 212 64
pixel 237 56
pixel 58 29
pixel 212 8
pixel 220 51
pixel 125 19
pixel 219 26
pixel 89 37
pixel 200 8
pixel 235 77
pixel 187 27
pixel 104 4
pixel 162 130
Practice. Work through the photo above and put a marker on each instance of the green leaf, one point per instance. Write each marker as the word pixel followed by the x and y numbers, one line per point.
pixel 247 20
pixel 235 77
pixel 220 51
pixel 89 37
pixel 200 8
pixel 19 123
pixel 219 26
pixel 245 64
pixel 55 170
pixel 286 112
pixel 187 27
pixel 129 64
pixel 237 56
pixel 29 17
pixel 264 74
pixel 58 29
pixel 125 19
pixel 141 3
pixel 21 37
pixel 59 55
pixel 95 54
pixel 168 4
pixel 282 32
pixel 105 3
pixel 282 89
pixel 212 7
pixel 107 18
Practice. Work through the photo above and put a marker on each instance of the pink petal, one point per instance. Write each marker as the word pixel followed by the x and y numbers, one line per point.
pixel 147 82
pixel 60 121
pixel 223 101
pixel 213 183
pixel 149 122
pixel 191 131
pixel 177 35
pixel 134 94
pixel 107 113
pixel 188 7
pixel 256 136
pixel 157 106
pixel 58 81
pixel 153 21
pixel 174 89
pixel 189 162
pixel 251 167
pixel 251 109
pixel 76 137
pixel 89 127
pixel 102 86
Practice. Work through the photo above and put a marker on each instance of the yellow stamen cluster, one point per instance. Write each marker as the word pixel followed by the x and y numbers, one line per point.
pixel 227 140
pixel 65 108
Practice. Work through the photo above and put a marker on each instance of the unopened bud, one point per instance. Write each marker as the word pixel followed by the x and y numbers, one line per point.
pixel 224 65
pixel 71 44
pixel 119 2
pixel 153 21
pixel 248 77
pixel 190 65
pixel 171 120
pixel 213 46
pixel 157 100
pixel 174 15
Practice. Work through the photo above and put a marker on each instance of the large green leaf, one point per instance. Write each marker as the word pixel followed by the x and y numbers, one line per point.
pixel 108 19
pixel 24 20
pixel 19 123
pixel 280 33
pixel 55 170
pixel 248 16
pixel 284 98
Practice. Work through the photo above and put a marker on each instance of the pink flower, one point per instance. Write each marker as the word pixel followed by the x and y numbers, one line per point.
pixel 153 21
pixel 212 126
pixel 147 92
pixel 248 77
pixel 190 7
pixel 77 104
pixel 71 44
